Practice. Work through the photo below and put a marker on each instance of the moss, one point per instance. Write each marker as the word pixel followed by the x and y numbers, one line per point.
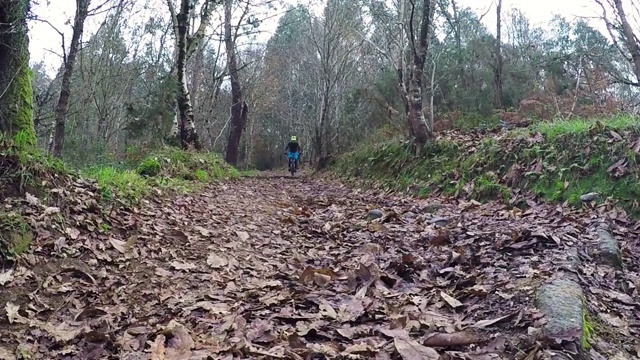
pixel 15 235
pixel 588 330
pixel 201 175
pixel 149 167
pixel 21 108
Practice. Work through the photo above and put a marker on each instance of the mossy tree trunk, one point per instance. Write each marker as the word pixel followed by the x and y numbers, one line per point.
pixel 16 93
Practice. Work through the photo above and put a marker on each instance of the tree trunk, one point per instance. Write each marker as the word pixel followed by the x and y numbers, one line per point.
pixel 320 137
pixel 16 92
pixel 239 108
pixel 415 116
pixel 62 107
pixel 188 135
pixel 630 39
pixel 497 74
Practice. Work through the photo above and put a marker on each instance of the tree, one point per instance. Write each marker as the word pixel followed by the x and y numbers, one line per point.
pixel 82 11
pixel 419 46
pixel 620 29
pixel 16 103
pixel 497 79
pixel 336 42
pixel 239 107
pixel 186 45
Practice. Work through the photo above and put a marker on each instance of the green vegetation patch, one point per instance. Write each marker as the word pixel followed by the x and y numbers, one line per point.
pixel 558 161
pixel 169 168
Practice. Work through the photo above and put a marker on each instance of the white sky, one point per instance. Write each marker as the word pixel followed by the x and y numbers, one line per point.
pixel 46 42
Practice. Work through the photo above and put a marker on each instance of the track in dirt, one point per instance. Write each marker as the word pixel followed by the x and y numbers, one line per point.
pixel 269 267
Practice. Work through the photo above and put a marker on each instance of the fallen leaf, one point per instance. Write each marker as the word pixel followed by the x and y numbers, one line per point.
pixel 73 233
pixel 243 235
pixel 182 266
pixel 488 322
pixel 12 311
pixel 6 277
pixel 412 350
pixel 118 245
pixel 216 261
pixel 450 300
pixel 6 354
pixel 162 272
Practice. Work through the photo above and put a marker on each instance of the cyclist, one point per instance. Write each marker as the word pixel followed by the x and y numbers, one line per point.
pixel 293 150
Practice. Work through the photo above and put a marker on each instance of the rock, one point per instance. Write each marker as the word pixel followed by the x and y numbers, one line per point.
pixel 409 215
pixel 608 249
pixel 561 301
pixel 589 197
pixel 440 221
pixel 432 208
pixel 573 260
pixel 374 214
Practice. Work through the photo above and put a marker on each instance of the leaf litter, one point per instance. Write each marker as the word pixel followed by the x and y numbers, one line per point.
pixel 303 273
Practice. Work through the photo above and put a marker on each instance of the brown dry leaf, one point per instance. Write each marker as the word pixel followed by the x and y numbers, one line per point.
pixel 621 297
pixel 412 350
pixel 450 300
pixel 377 227
pixel 442 238
pixel 179 344
pixel 62 332
pixel 216 261
pixel 73 233
pixel 202 231
pixel 157 348
pixel 119 245
pixel 6 354
pixel 489 322
pixel 11 310
pixel 182 266
pixel 177 236
pixel 162 272
pixel 6 277
pixel 243 235
pixel 350 309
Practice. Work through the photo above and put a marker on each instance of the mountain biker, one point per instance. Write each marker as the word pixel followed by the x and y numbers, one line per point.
pixel 293 150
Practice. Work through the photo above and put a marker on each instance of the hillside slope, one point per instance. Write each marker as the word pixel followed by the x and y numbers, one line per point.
pixel 558 161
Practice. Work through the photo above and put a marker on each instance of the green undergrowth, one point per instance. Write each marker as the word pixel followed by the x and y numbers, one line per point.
pixel 557 161
pixel 168 169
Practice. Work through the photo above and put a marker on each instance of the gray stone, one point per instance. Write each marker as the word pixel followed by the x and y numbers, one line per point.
pixel 573 260
pixel 409 215
pixel 432 208
pixel 589 197
pixel 440 221
pixel 608 249
pixel 561 301
pixel 374 214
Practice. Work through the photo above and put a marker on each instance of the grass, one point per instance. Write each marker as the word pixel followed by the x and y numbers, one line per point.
pixel 557 161
pixel 588 330
pixel 169 169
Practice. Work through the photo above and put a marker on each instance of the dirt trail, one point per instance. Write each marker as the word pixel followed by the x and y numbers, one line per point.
pixel 275 267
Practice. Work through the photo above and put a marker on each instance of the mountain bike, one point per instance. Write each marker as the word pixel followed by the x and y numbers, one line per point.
pixel 292 164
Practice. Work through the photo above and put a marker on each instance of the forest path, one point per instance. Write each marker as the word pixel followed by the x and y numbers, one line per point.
pixel 275 267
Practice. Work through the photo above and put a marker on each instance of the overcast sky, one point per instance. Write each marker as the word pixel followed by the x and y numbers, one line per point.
pixel 45 41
